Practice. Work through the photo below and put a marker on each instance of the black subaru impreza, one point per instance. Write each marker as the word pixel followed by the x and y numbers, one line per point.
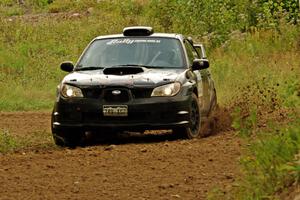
pixel 135 81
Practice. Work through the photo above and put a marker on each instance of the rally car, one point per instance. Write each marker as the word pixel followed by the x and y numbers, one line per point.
pixel 135 81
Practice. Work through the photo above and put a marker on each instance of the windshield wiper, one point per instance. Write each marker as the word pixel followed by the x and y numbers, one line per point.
pixel 88 68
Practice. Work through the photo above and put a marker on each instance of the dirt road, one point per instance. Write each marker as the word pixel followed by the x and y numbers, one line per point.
pixel 151 166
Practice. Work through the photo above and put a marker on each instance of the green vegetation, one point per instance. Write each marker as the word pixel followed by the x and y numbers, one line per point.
pixel 266 107
pixel 254 48
pixel 11 143
pixel 7 142
pixel 257 76
pixel 33 45
pixel 271 164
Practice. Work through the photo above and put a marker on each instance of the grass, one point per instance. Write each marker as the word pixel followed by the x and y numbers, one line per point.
pixel 270 165
pixel 31 49
pixel 7 142
pixel 37 140
pixel 266 103
pixel 265 59
pixel 257 76
pixel 255 64
pixel 18 97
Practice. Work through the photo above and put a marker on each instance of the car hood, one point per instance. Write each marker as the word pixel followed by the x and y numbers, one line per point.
pixel 146 78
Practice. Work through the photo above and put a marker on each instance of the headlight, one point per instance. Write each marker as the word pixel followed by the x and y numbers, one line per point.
pixel 166 90
pixel 70 91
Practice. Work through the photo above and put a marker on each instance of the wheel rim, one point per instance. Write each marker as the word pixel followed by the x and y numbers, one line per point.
pixel 195 118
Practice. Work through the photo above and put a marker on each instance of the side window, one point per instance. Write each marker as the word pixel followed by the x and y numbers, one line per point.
pixel 192 54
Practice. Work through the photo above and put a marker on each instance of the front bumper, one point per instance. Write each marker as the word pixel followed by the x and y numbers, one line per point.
pixel 143 114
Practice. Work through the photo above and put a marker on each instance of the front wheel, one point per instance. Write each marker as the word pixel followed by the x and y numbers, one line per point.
pixel 68 138
pixel 194 128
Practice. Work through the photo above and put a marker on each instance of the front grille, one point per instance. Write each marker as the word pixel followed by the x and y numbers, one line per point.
pixel 139 93
pixel 106 94
pixel 116 95
pixel 94 93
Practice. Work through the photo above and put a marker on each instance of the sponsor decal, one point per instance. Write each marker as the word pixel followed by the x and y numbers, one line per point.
pixel 132 41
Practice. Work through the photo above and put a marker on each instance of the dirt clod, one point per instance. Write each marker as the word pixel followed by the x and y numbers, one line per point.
pixel 176 196
pixel 110 147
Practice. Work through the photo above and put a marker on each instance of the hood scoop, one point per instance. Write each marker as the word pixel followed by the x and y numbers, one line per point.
pixel 120 71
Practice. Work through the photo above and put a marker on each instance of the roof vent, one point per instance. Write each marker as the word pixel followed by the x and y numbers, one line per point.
pixel 138 31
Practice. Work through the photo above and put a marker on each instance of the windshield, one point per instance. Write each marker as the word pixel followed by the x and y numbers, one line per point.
pixel 148 52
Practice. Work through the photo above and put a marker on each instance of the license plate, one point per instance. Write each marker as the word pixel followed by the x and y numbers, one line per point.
pixel 115 110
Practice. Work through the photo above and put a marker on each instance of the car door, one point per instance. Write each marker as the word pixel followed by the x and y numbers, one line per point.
pixel 202 79
pixel 208 83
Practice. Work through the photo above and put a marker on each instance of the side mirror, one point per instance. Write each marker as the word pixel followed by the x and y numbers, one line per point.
pixel 199 64
pixel 67 66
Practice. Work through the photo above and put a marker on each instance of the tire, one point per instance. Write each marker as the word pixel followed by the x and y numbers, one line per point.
pixel 194 128
pixel 68 138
